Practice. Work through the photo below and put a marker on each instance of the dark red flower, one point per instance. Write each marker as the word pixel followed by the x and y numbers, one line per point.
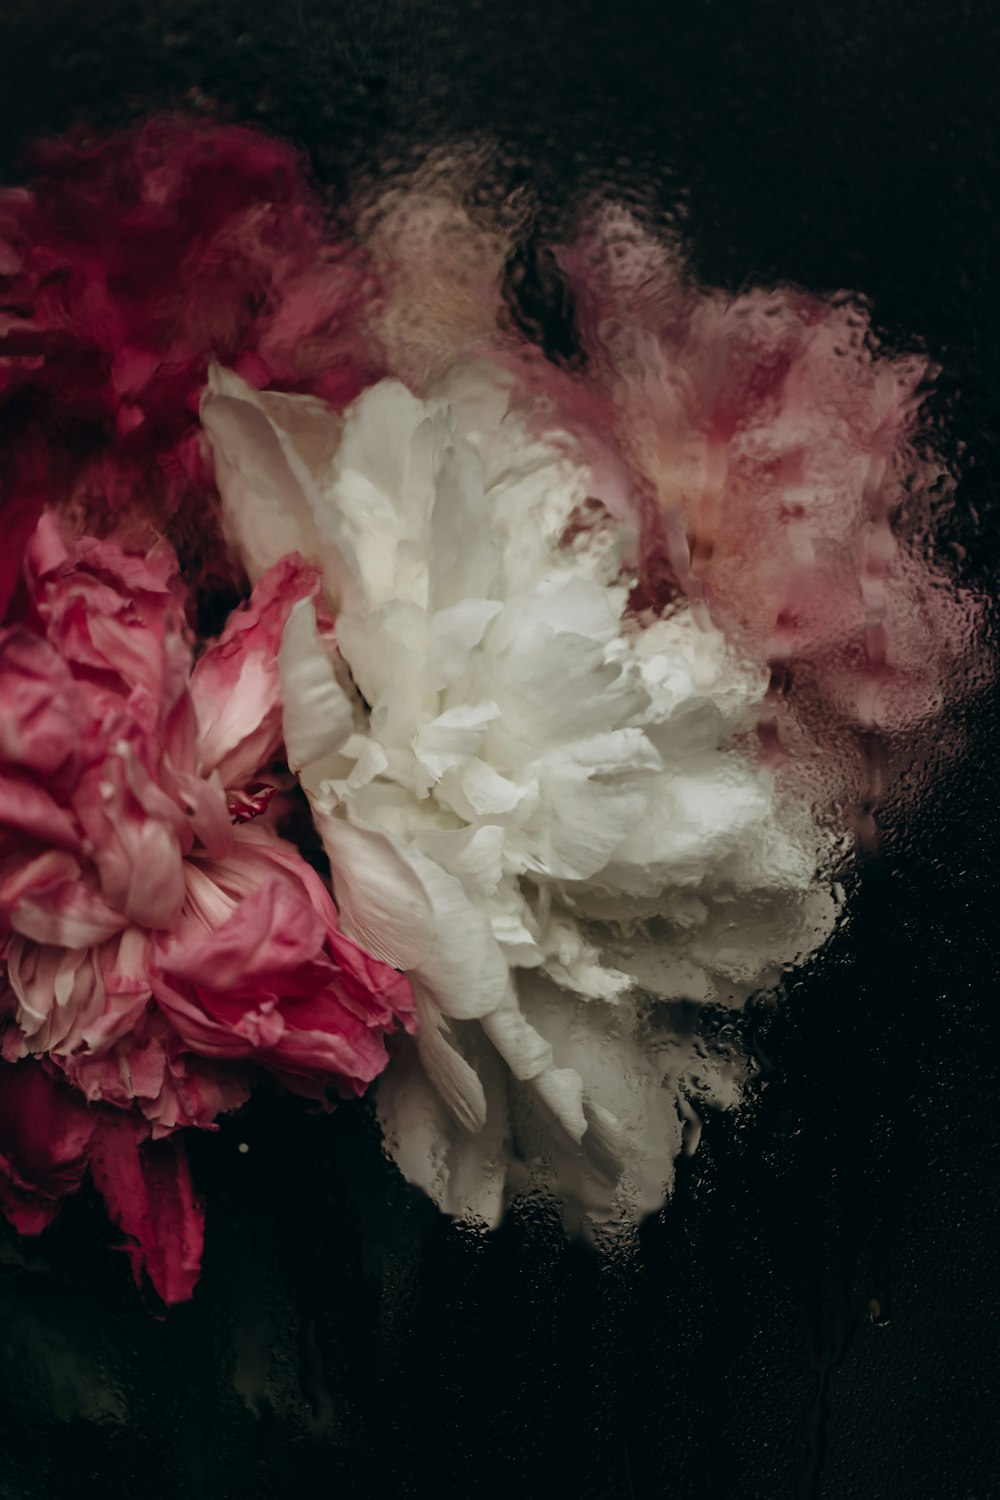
pixel 127 266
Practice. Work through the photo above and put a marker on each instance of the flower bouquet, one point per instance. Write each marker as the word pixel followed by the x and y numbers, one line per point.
pixel 390 700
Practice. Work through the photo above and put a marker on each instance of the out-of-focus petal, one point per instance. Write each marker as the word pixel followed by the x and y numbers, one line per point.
pixel 147 1190
pixel 44 723
pixel 46 1132
pixel 264 510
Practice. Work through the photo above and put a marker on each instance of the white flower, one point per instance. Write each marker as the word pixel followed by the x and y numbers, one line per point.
pixel 531 803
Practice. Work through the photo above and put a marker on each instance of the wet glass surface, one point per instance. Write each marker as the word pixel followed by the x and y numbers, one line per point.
pixel 814 1313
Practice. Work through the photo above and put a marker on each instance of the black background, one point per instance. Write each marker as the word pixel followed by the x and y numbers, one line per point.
pixel 816 1312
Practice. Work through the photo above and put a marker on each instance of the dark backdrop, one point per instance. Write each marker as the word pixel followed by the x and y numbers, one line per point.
pixel 816 1313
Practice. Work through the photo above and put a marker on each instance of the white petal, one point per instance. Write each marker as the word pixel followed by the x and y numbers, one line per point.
pixel 317 716
pixel 464 971
pixel 383 905
pixel 455 632
pixel 463 557
pixel 486 792
pixel 555 687
pixel 525 1050
pixel 264 510
pixel 561 1089
pixel 473 855
pixel 694 820
pixel 592 795
pixel 455 1081
pixel 465 1174
pixel 387 655
pixel 565 606
pixel 605 1143
pixel 370 763
pixel 509 918
pixel 451 738
pixel 378 503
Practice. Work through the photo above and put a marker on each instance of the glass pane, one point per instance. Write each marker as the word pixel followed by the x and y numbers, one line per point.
pixel 737 266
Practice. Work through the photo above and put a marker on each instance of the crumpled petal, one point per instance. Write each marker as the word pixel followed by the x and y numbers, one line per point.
pixel 269 976
pixel 235 686
pixel 147 1190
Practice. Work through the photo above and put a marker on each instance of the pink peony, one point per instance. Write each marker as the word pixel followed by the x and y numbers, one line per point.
pixel 127 266
pixel 772 450
pixel 158 941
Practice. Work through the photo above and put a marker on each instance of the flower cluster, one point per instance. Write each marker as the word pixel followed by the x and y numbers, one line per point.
pixel 158 940
pixel 565 665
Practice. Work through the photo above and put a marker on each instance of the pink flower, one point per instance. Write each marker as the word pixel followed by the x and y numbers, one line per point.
pixel 771 449
pixel 771 454
pixel 159 943
pixel 127 266
pixel 258 968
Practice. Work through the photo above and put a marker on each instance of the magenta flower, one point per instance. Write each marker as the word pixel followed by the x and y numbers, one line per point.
pixel 125 268
pixel 159 942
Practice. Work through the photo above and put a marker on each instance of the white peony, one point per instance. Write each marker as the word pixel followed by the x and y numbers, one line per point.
pixel 532 802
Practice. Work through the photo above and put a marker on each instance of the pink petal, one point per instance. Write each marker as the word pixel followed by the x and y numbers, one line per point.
pixel 137 834
pixel 19 517
pixel 27 807
pixel 110 610
pixel 236 686
pixel 210 818
pixel 146 1187
pixel 265 973
pixel 45 899
pixel 272 934
pixel 59 991
pixel 51 558
pixel 44 718
pixel 45 1136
